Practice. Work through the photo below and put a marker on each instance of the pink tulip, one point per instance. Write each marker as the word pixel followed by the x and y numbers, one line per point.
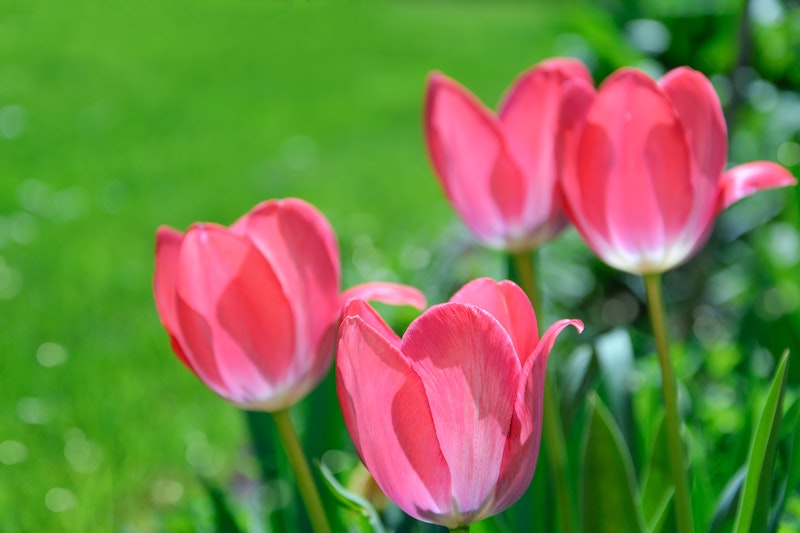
pixel 448 419
pixel 499 172
pixel 253 309
pixel 643 167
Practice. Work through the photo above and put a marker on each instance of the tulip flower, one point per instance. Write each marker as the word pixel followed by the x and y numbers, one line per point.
pixel 448 417
pixel 499 171
pixel 253 309
pixel 643 167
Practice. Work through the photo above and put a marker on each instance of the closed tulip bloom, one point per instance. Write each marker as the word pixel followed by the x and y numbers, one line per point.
pixel 499 171
pixel 643 167
pixel 448 418
pixel 253 309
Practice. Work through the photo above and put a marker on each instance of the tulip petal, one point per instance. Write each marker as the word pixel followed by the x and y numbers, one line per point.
pixel 168 246
pixel 300 246
pixel 530 117
pixel 367 313
pixel 743 180
pixel 509 305
pixel 387 414
pixel 470 371
pixel 467 148
pixel 633 155
pixel 385 292
pixel 700 113
pixel 233 315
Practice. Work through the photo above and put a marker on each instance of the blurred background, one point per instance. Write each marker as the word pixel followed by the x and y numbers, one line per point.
pixel 117 117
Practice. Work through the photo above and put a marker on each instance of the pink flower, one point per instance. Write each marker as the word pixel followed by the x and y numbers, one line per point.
pixel 643 167
pixel 448 418
pixel 499 172
pixel 253 309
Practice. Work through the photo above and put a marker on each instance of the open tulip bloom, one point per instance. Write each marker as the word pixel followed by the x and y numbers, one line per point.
pixel 643 167
pixel 253 309
pixel 448 418
pixel 499 171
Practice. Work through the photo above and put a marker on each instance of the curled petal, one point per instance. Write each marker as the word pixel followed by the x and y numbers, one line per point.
pixel 743 180
pixel 388 416
pixel 385 292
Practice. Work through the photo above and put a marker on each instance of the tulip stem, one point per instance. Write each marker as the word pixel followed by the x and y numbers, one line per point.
pixel 552 430
pixel 302 472
pixel 669 388
pixel 463 529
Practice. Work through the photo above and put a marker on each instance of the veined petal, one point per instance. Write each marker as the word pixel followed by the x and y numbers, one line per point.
pixel 468 152
pixel 509 305
pixel 633 152
pixel 387 414
pixel 541 352
pixel 385 292
pixel 233 314
pixel 743 180
pixel 468 366
pixel 365 312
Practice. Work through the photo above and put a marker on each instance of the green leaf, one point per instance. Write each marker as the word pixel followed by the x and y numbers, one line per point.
pixel 790 437
pixel 753 510
pixel 657 489
pixel 727 502
pixel 609 495
pixel 223 517
pixel 350 500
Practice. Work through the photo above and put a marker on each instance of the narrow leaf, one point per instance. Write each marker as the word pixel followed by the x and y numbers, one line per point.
pixel 657 486
pixel 350 500
pixel 726 505
pixel 609 495
pixel 790 436
pixel 753 510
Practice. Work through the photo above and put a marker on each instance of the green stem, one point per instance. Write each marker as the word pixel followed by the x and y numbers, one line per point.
pixel 552 430
pixel 669 387
pixel 464 529
pixel 302 473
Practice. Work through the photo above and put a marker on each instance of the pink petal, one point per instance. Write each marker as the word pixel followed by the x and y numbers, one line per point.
pixel 236 323
pixel 168 246
pixel 468 152
pixel 530 117
pixel 578 98
pixel 365 312
pixel 522 449
pixel 633 154
pixel 744 180
pixel 700 113
pixel 469 369
pixel 300 246
pixel 387 414
pixel 385 292
pixel 509 305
